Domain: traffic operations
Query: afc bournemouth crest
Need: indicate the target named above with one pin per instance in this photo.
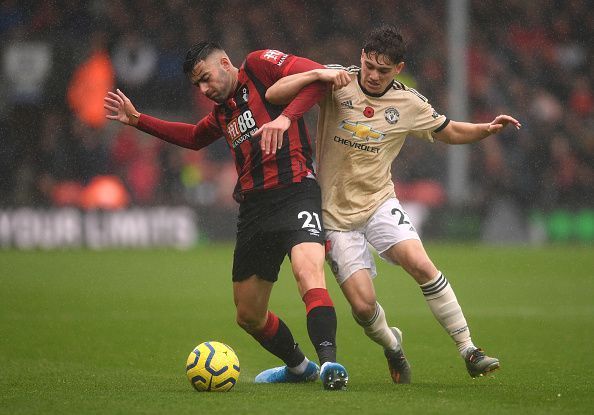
(392, 115)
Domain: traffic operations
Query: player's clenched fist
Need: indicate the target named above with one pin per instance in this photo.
(339, 78)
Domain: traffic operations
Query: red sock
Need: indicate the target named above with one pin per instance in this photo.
(276, 337)
(317, 297)
(270, 328)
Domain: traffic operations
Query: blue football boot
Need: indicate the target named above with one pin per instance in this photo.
(282, 374)
(334, 376)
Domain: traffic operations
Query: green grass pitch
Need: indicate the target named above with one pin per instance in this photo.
(85, 332)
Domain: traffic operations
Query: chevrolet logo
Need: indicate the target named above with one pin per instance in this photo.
(362, 131)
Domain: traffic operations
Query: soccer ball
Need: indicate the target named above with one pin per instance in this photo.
(212, 366)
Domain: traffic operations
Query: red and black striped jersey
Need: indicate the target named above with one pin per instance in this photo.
(243, 113)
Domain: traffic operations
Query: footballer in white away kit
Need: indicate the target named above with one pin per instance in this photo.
(363, 122)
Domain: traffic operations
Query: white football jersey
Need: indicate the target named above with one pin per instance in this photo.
(359, 135)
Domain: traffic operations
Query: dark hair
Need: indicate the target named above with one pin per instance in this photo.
(385, 40)
(197, 53)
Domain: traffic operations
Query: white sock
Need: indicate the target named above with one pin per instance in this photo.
(377, 329)
(300, 368)
(443, 303)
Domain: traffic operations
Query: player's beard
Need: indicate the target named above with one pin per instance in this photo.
(216, 98)
(224, 93)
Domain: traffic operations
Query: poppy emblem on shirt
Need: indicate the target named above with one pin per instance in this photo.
(392, 115)
(368, 112)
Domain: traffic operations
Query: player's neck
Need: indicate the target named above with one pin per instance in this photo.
(373, 94)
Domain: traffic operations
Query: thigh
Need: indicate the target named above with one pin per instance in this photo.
(358, 289)
(307, 262)
(347, 252)
(411, 255)
(388, 226)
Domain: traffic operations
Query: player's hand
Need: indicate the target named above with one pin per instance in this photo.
(121, 108)
(272, 134)
(500, 122)
(339, 78)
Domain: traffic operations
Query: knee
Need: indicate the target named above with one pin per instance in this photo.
(309, 274)
(421, 268)
(417, 263)
(250, 322)
(364, 309)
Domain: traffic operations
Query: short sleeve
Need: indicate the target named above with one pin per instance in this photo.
(427, 120)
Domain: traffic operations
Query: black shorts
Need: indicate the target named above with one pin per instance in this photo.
(271, 222)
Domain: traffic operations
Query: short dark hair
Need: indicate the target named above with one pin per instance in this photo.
(385, 40)
(197, 53)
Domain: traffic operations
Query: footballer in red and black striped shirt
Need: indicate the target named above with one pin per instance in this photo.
(280, 202)
(240, 111)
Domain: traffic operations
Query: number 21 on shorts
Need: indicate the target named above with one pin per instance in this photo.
(309, 222)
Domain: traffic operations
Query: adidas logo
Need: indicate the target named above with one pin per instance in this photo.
(326, 344)
(347, 104)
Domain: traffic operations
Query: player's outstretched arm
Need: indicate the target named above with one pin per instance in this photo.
(286, 88)
(121, 108)
(457, 132)
(191, 136)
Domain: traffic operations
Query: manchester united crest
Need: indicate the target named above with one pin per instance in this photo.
(392, 115)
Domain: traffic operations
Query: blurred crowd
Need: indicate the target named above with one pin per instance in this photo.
(532, 60)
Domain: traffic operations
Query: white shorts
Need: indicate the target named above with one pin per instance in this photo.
(347, 251)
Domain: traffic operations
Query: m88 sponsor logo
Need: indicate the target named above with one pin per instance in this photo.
(241, 128)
